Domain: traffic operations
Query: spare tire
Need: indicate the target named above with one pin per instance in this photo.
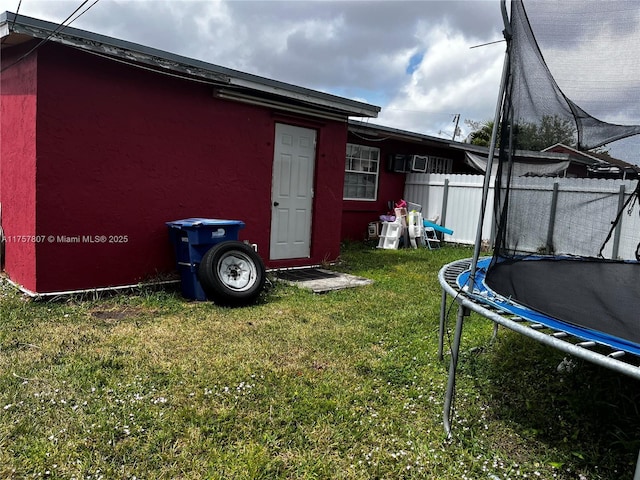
(231, 273)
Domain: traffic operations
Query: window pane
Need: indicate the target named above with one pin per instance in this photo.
(361, 172)
(369, 192)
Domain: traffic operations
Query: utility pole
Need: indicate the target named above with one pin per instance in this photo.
(456, 119)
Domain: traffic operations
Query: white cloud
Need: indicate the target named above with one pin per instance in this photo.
(357, 49)
(451, 79)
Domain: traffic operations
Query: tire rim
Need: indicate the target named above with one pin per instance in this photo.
(237, 271)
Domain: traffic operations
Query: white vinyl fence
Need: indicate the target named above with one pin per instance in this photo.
(584, 206)
(454, 200)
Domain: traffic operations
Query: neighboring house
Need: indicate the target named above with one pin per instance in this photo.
(378, 159)
(595, 165)
(526, 163)
(103, 141)
(560, 160)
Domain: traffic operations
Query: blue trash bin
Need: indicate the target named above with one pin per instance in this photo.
(191, 238)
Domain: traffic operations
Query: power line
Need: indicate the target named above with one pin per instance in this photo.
(58, 29)
(82, 13)
(17, 10)
(14, 20)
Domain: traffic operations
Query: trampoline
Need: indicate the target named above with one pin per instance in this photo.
(496, 299)
(565, 268)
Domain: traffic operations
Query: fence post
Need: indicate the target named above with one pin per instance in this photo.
(618, 229)
(552, 219)
(445, 196)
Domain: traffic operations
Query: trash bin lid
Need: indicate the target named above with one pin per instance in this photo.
(204, 222)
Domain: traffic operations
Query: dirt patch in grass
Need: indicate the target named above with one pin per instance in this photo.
(114, 315)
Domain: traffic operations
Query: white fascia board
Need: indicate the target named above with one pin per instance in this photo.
(350, 107)
(122, 53)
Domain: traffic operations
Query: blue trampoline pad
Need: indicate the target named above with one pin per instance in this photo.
(593, 300)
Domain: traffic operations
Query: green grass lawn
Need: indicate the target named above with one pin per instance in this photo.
(340, 385)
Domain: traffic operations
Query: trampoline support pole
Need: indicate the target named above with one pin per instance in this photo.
(636, 476)
(494, 334)
(451, 380)
(462, 311)
(492, 145)
(443, 314)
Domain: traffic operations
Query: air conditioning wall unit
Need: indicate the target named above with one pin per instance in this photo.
(418, 163)
(399, 163)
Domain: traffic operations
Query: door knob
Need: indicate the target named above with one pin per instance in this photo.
(275, 204)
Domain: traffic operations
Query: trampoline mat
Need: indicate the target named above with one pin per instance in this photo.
(596, 295)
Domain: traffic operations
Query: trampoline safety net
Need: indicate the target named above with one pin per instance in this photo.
(573, 88)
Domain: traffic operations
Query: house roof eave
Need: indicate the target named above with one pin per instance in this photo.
(381, 131)
(22, 28)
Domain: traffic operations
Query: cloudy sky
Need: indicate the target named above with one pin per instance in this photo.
(412, 58)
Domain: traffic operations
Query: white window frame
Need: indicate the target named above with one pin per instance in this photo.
(362, 160)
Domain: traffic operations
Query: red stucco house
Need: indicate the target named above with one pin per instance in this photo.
(396, 152)
(107, 140)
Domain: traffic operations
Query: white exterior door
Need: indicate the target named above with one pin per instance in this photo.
(292, 192)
